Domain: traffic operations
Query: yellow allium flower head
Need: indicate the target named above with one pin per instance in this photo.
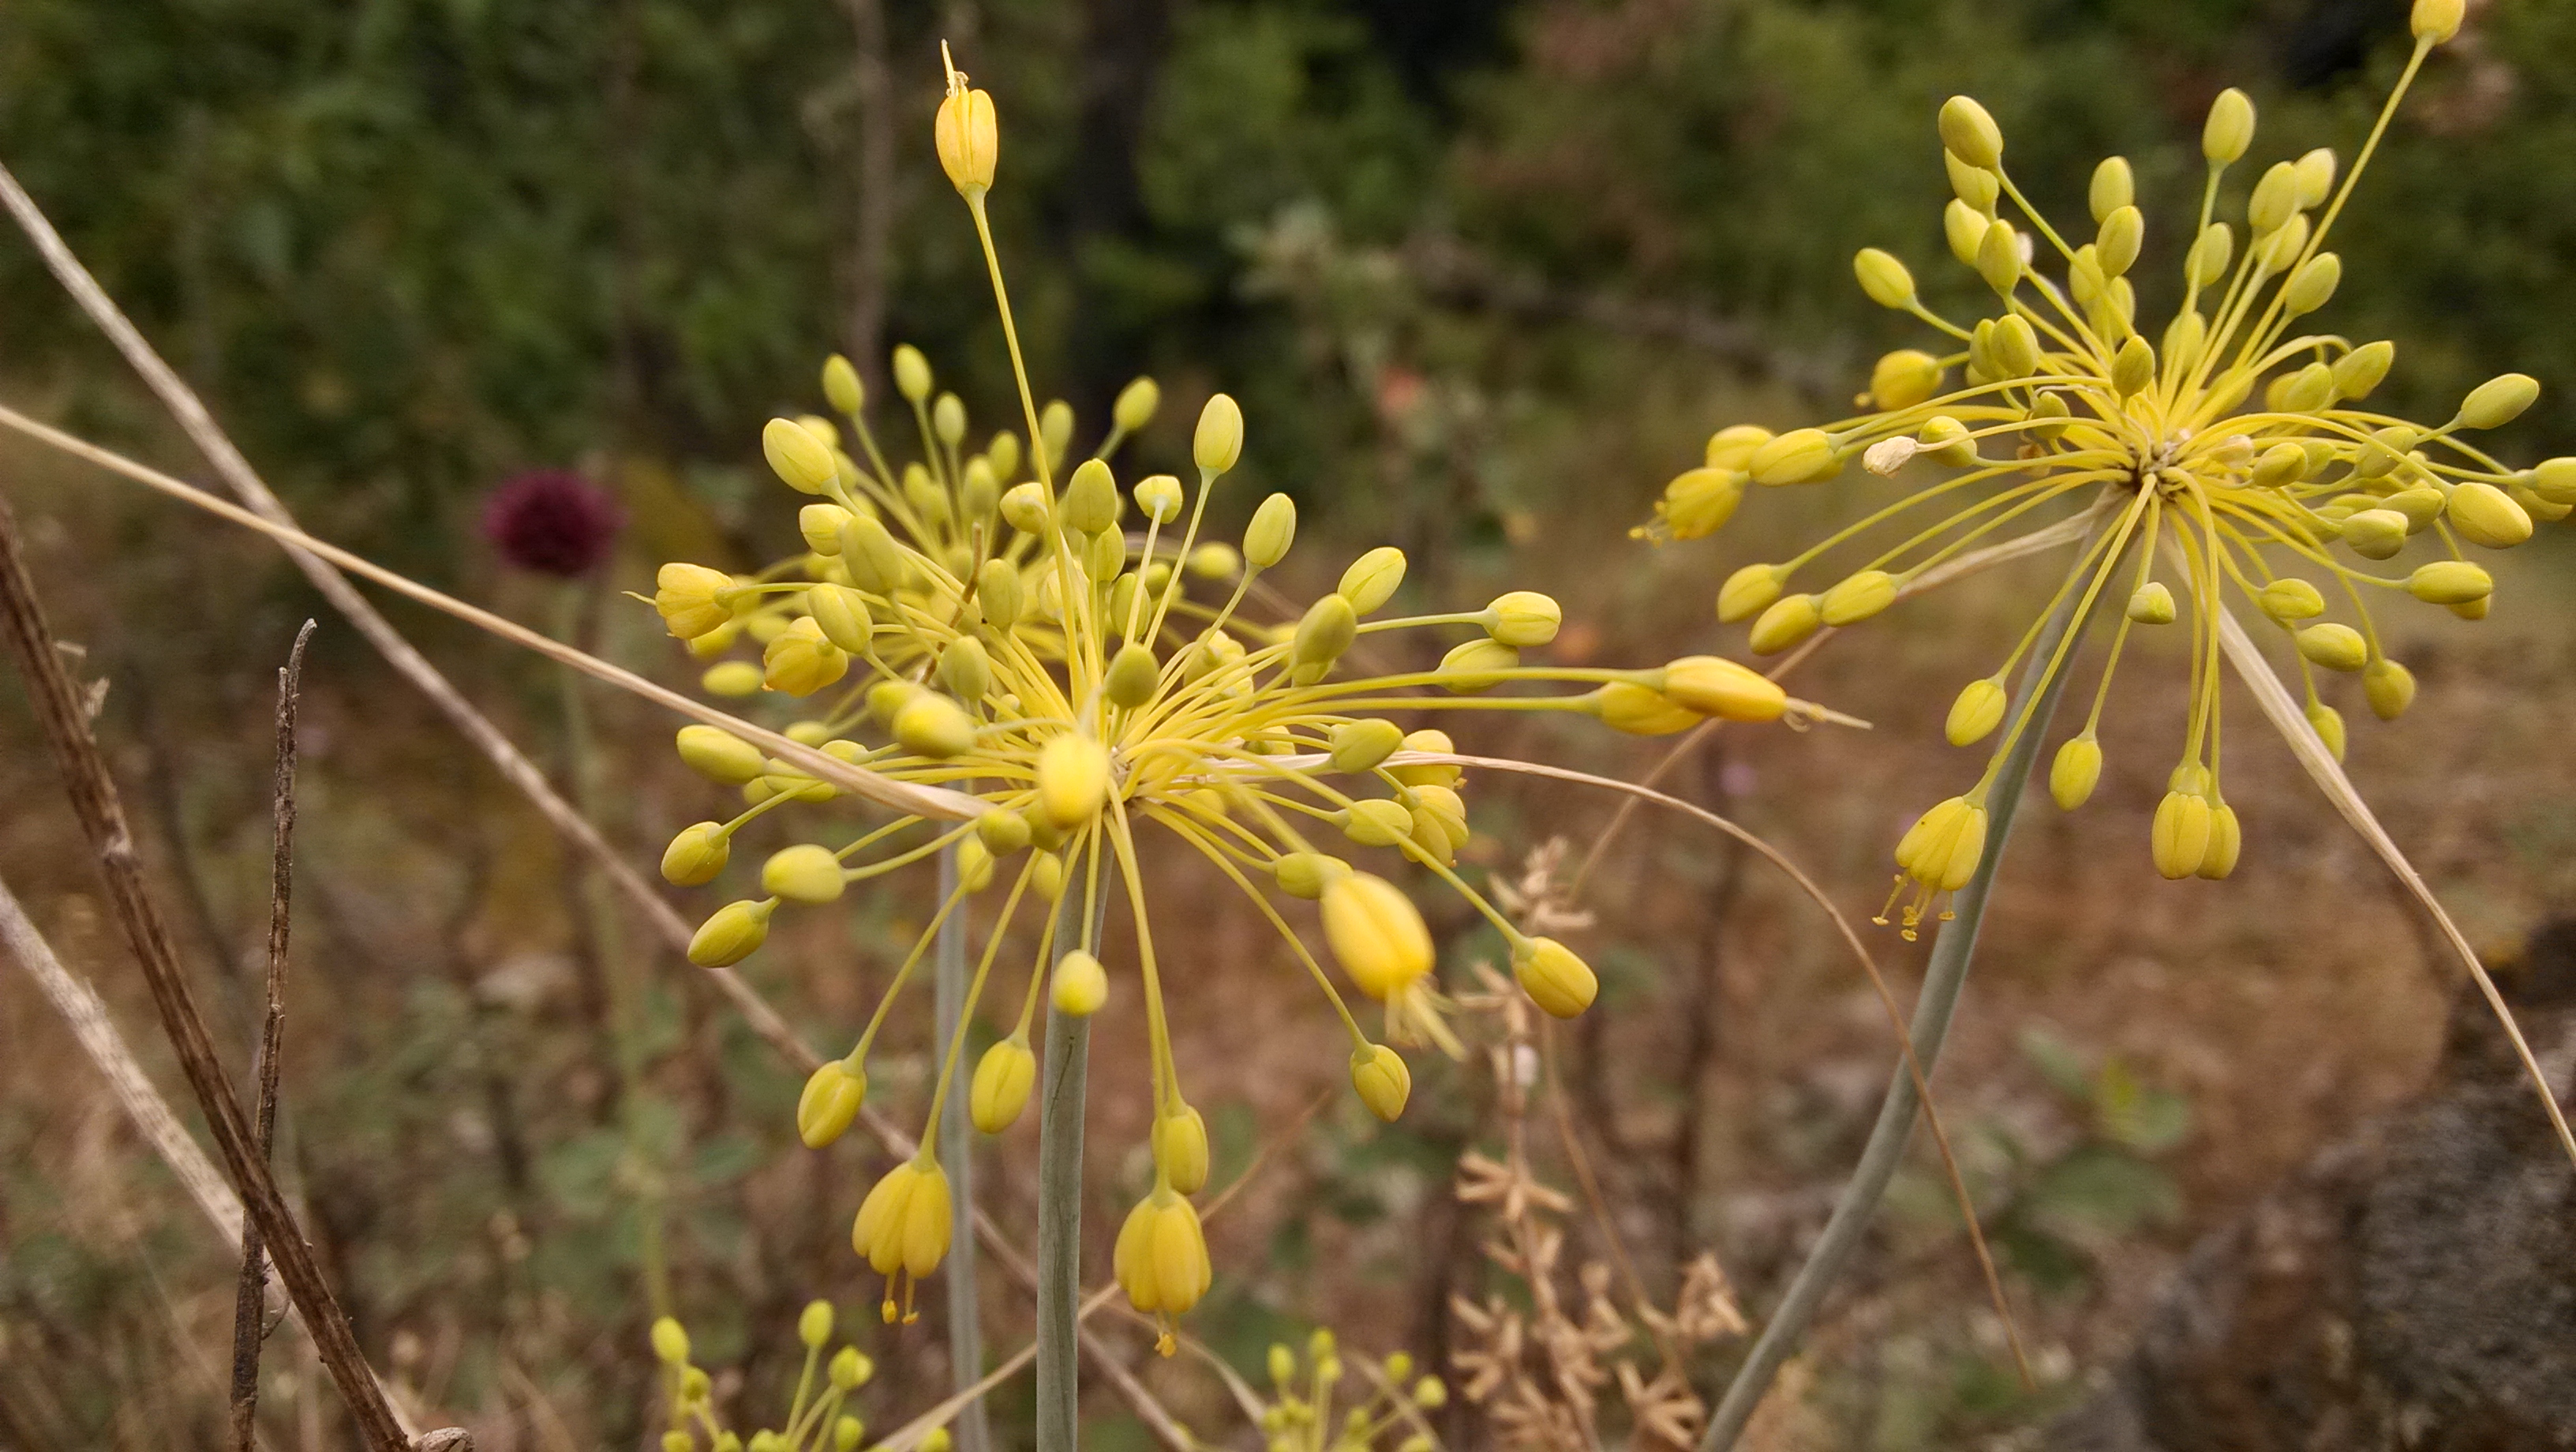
(2229, 451)
(1052, 672)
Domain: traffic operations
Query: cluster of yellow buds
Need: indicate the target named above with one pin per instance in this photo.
(997, 635)
(2231, 450)
(1390, 1411)
(815, 1419)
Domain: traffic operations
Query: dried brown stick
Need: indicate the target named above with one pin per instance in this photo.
(251, 1293)
(102, 817)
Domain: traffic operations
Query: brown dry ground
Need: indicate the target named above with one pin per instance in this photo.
(452, 1097)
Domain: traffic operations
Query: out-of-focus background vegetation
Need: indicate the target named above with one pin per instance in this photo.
(1483, 275)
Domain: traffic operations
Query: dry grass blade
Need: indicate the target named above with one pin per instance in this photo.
(2329, 776)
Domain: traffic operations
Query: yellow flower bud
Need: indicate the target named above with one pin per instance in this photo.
(1273, 529)
(2335, 647)
(1476, 665)
(1970, 134)
(2389, 687)
(841, 385)
(2075, 771)
(690, 599)
(2486, 515)
(2280, 466)
(1307, 874)
(801, 661)
(948, 419)
(1714, 686)
(1640, 710)
(1384, 1082)
(1800, 456)
(1554, 978)
(1791, 619)
(2134, 367)
(1073, 779)
(1360, 745)
(1977, 711)
(806, 873)
(1215, 560)
(1429, 740)
(1090, 503)
(1748, 592)
(1055, 427)
(696, 855)
(2207, 260)
(1900, 380)
(2114, 187)
(2552, 481)
(1376, 823)
(848, 1431)
(1857, 598)
(1323, 633)
(735, 931)
(820, 524)
(2230, 128)
(801, 459)
(1734, 446)
(2226, 841)
(1999, 257)
(1523, 618)
(2449, 582)
(719, 755)
(814, 1324)
(1975, 186)
(1024, 507)
(2152, 604)
(2436, 21)
(974, 865)
(830, 1101)
(1884, 278)
(2376, 534)
(732, 678)
(2313, 283)
(1135, 405)
(1046, 877)
(1439, 821)
(1218, 443)
(1079, 985)
(2014, 347)
(1161, 1258)
(932, 725)
(1003, 1078)
(902, 1225)
(848, 1369)
(1376, 934)
(2179, 840)
(1133, 675)
(968, 138)
(1181, 1148)
(2116, 244)
(2498, 401)
(2358, 372)
(1964, 227)
(670, 1342)
(1372, 578)
(1159, 495)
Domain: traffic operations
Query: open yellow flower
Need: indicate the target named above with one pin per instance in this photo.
(2232, 451)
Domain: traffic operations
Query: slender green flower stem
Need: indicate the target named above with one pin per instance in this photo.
(972, 1431)
(1953, 944)
(1060, 1101)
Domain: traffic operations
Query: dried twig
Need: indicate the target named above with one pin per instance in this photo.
(102, 818)
(248, 1333)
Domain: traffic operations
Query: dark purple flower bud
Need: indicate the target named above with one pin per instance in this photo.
(552, 521)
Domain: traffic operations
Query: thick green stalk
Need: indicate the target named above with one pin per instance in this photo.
(957, 1152)
(1953, 945)
(1060, 1101)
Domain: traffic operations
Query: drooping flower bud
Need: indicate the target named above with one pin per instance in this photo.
(1640, 710)
(1476, 665)
(734, 932)
(831, 1099)
(1884, 278)
(2389, 687)
(696, 855)
(1748, 592)
(1323, 633)
(1003, 1078)
(1715, 686)
(719, 755)
(2075, 771)
(2486, 515)
(806, 873)
(1384, 1083)
(1180, 1145)
(1079, 985)
(1791, 619)
(1376, 934)
(2333, 646)
(1976, 712)
(1307, 874)
(1800, 456)
(1554, 978)
(1899, 381)
(799, 458)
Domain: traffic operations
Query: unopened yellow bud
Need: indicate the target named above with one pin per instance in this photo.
(1218, 443)
(1554, 978)
(2134, 367)
(1999, 257)
(1734, 446)
(1975, 186)
(841, 385)
(1159, 496)
(690, 599)
(2552, 481)
(2436, 21)
(2389, 687)
(1640, 710)
(1323, 633)
(1307, 874)
(1376, 822)
(1384, 1083)
(820, 524)
(1003, 1078)
(806, 873)
(1969, 133)
(2207, 260)
(801, 459)
(1215, 560)
(2280, 466)
(1477, 665)
(1791, 619)
(1714, 686)
(2230, 128)
(2335, 647)
(1376, 934)
(1439, 819)
(1273, 529)
(1160, 1259)
(2075, 771)
(848, 1431)
(801, 661)
(1977, 711)
(932, 725)
(848, 1369)
(2179, 840)
(2498, 401)
(1902, 379)
(719, 755)
(1024, 507)
(1748, 592)
(968, 137)
(1079, 985)
(2486, 515)
(1857, 598)
(2116, 244)
(2313, 283)
(1429, 741)
(696, 855)
(2375, 534)
(1800, 456)
(830, 1101)
(1090, 502)
(1523, 618)
(1181, 1148)
(814, 1324)
(735, 931)
(1964, 228)
(1359, 746)
(1073, 779)
(670, 1342)
(1372, 578)
(2152, 604)
(1133, 675)
(2358, 372)
(1046, 877)
(1884, 278)
(2449, 582)
(2114, 186)
(1135, 405)
(2226, 841)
